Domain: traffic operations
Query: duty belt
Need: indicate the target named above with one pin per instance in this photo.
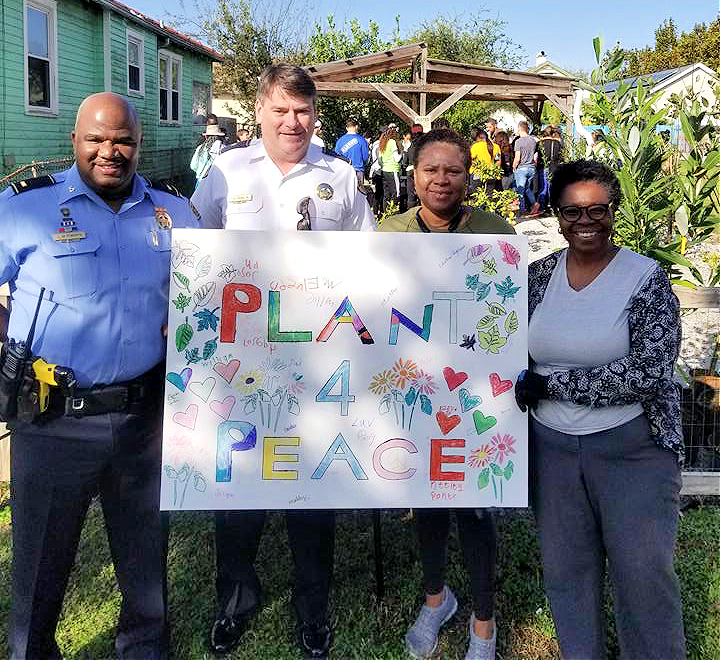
(132, 396)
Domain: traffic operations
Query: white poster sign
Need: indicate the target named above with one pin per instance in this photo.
(345, 370)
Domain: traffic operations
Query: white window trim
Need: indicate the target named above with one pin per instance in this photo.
(49, 6)
(140, 39)
(170, 57)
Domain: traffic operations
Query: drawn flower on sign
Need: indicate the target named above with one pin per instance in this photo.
(272, 369)
(249, 381)
(424, 383)
(503, 446)
(296, 385)
(403, 371)
(381, 382)
(479, 458)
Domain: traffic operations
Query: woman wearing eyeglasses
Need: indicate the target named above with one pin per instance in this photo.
(606, 436)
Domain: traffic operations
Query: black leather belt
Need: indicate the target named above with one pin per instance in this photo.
(133, 396)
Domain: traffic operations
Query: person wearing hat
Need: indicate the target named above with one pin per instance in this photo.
(207, 150)
(316, 139)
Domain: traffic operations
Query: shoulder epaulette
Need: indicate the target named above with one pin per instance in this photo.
(30, 184)
(237, 145)
(165, 187)
(329, 152)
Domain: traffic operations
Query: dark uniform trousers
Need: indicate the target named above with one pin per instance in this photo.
(311, 534)
(56, 470)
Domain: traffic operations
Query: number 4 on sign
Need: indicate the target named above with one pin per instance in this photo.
(344, 398)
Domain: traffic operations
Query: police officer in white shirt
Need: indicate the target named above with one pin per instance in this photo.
(260, 187)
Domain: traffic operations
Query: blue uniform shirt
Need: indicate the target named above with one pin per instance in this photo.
(354, 147)
(107, 293)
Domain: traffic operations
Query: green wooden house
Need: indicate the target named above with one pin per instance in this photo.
(53, 53)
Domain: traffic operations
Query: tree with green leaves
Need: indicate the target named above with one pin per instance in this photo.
(475, 39)
(671, 50)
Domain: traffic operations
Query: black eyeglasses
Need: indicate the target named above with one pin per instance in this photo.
(594, 212)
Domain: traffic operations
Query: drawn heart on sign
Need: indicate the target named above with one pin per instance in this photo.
(483, 423)
(454, 379)
(180, 380)
(499, 386)
(468, 401)
(227, 371)
(223, 408)
(203, 390)
(447, 422)
(187, 418)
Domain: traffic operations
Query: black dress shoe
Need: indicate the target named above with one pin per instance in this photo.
(225, 634)
(315, 640)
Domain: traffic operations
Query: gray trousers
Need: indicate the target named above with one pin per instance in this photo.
(611, 495)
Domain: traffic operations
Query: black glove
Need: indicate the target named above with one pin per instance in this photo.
(530, 388)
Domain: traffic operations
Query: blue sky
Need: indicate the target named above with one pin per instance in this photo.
(563, 29)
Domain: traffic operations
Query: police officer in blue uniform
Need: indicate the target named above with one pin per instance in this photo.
(97, 238)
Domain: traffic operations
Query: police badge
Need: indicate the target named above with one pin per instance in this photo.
(164, 221)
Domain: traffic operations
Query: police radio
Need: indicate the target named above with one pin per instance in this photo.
(25, 381)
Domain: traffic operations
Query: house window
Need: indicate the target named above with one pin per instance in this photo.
(41, 95)
(169, 83)
(136, 63)
(200, 102)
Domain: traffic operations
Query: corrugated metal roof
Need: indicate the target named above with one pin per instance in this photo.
(160, 28)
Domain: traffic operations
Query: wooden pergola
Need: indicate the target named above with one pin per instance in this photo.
(439, 79)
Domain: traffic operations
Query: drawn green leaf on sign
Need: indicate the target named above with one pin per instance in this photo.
(181, 302)
(384, 406)
(171, 472)
(496, 469)
(511, 323)
(482, 291)
(485, 321)
(492, 341)
(496, 308)
(489, 267)
(425, 404)
(483, 478)
(209, 349)
(183, 335)
(509, 469)
(471, 281)
(411, 396)
(181, 280)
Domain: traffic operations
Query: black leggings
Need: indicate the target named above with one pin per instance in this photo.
(478, 540)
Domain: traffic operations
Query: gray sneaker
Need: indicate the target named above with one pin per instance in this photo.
(481, 649)
(421, 639)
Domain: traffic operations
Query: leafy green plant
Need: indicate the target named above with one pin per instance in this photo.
(391, 209)
(503, 202)
(662, 211)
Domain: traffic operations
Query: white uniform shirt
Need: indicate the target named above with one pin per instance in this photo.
(244, 189)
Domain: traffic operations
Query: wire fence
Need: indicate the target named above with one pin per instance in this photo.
(698, 368)
(36, 168)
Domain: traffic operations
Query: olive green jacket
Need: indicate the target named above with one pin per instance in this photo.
(481, 222)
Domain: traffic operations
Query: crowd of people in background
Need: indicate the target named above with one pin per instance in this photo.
(522, 160)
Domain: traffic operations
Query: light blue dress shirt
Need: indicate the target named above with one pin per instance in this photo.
(107, 293)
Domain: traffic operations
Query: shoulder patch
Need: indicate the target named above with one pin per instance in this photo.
(237, 145)
(329, 152)
(165, 187)
(30, 184)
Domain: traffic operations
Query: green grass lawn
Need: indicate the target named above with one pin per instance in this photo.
(363, 630)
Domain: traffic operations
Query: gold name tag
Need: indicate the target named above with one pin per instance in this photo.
(69, 236)
(240, 199)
